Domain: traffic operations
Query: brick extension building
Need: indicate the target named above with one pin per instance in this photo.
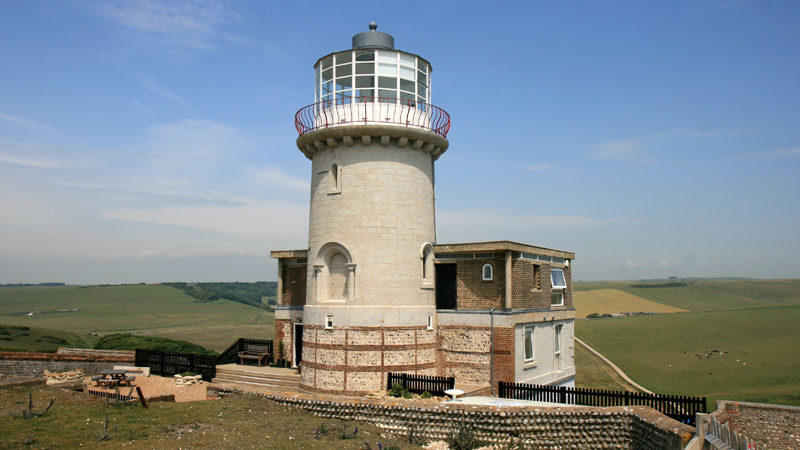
(374, 292)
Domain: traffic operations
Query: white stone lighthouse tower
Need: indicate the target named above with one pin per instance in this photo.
(372, 137)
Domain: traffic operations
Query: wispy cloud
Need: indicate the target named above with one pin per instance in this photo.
(28, 155)
(21, 121)
(780, 153)
(277, 178)
(5, 56)
(662, 263)
(191, 24)
(538, 167)
(140, 106)
(635, 149)
(156, 87)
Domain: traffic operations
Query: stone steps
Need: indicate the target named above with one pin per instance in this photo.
(250, 379)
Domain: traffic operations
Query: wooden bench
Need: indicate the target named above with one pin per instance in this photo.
(257, 352)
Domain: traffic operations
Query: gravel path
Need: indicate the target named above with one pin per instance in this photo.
(155, 386)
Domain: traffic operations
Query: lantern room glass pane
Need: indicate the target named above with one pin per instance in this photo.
(365, 95)
(407, 60)
(365, 55)
(327, 75)
(407, 85)
(365, 82)
(326, 62)
(422, 78)
(344, 57)
(387, 57)
(387, 82)
(406, 72)
(388, 70)
(408, 99)
(344, 83)
(327, 88)
(422, 90)
(387, 93)
(422, 65)
(343, 71)
(363, 68)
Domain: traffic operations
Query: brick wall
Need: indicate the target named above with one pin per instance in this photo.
(283, 333)
(524, 283)
(465, 353)
(635, 427)
(294, 286)
(473, 292)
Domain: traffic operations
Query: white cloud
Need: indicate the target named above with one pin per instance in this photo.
(277, 178)
(140, 106)
(667, 263)
(538, 167)
(190, 24)
(634, 149)
(780, 153)
(620, 150)
(156, 87)
(630, 263)
(29, 155)
(21, 121)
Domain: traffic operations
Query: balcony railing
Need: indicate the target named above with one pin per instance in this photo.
(372, 110)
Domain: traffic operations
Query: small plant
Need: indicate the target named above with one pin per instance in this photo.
(426, 395)
(320, 431)
(345, 434)
(398, 391)
(463, 438)
(188, 373)
(28, 413)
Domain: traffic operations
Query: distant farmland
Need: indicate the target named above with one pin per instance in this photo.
(140, 309)
(754, 322)
(612, 301)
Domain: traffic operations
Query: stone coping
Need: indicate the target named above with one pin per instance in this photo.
(38, 356)
(500, 246)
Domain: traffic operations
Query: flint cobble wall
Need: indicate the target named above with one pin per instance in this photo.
(541, 428)
(773, 426)
(30, 364)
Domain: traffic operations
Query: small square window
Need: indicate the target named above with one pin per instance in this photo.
(328, 321)
(557, 299)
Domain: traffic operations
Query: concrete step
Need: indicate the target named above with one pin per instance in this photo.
(254, 387)
(257, 380)
(268, 376)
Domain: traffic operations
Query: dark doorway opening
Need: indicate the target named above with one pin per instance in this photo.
(298, 344)
(446, 289)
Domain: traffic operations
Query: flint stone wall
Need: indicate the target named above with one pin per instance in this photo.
(542, 428)
(31, 364)
(773, 426)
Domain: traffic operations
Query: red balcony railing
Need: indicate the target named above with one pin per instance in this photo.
(376, 110)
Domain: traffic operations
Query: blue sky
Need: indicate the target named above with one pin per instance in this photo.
(154, 141)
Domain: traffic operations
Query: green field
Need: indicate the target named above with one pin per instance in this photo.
(754, 322)
(139, 309)
(15, 338)
(593, 373)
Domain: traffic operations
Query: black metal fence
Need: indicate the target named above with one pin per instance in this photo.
(230, 355)
(169, 363)
(679, 407)
(421, 383)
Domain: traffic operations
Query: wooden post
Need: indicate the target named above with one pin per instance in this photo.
(141, 396)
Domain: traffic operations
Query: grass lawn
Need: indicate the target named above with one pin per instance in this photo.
(593, 373)
(139, 309)
(33, 339)
(761, 363)
(238, 421)
(611, 301)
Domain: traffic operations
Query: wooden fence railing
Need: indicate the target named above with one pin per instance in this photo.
(421, 383)
(169, 363)
(680, 408)
(230, 355)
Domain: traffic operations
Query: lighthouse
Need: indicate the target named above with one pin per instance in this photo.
(374, 293)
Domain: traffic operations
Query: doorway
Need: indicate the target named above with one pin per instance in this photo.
(298, 344)
(446, 288)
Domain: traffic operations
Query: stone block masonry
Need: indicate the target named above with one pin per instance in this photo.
(542, 428)
(31, 364)
(773, 426)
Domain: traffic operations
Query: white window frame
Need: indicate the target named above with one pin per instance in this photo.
(524, 344)
(552, 283)
(328, 321)
(560, 294)
(483, 272)
(557, 332)
(430, 321)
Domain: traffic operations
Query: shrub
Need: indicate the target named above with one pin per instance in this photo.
(426, 395)
(463, 438)
(123, 341)
(398, 391)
